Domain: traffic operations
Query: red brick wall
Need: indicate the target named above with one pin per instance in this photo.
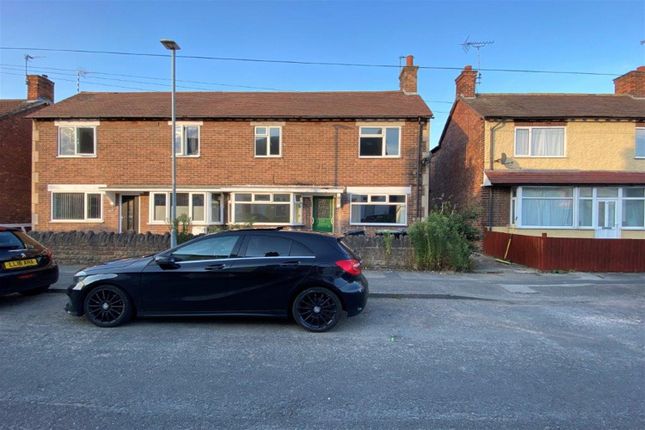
(15, 169)
(496, 206)
(137, 153)
(631, 83)
(456, 171)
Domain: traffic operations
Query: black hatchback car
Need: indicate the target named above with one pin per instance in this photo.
(311, 277)
(26, 266)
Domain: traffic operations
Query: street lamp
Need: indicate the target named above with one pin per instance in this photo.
(173, 47)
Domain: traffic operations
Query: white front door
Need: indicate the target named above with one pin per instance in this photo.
(607, 217)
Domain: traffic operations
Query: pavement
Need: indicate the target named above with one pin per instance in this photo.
(490, 280)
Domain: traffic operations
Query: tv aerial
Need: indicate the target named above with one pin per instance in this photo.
(27, 59)
(478, 45)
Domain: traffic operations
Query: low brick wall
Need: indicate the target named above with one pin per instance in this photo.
(86, 247)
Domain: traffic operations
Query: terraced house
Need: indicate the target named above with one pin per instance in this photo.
(561, 165)
(327, 161)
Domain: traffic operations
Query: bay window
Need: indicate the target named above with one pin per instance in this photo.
(634, 207)
(539, 141)
(378, 209)
(76, 207)
(578, 207)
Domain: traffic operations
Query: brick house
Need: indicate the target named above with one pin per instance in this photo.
(564, 165)
(326, 161)
(15, 147)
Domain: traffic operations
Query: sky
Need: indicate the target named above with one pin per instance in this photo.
(582, 36)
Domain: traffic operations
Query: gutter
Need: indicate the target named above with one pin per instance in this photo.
(419, 155)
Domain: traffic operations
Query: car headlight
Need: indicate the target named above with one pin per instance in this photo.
(79, 276)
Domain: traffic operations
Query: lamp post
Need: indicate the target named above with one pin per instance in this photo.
(173, 47)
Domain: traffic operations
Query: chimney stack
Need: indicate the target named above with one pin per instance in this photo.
(632, 83)
(40, 88)
(465, 82)
(408, 76)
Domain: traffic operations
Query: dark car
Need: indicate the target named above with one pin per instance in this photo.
(311, 277)
(26, 266)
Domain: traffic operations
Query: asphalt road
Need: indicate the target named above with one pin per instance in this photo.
(403, 363)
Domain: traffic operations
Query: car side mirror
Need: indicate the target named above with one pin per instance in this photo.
(165, 260)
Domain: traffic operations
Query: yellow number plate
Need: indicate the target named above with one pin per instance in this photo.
(20, 263)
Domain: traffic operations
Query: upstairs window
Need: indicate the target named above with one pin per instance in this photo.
(380, 142)
(640, 143)
(539, 141)
(268, 141)
(76, 141)
(187, 140)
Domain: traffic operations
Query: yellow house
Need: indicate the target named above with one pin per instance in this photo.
(568, 165)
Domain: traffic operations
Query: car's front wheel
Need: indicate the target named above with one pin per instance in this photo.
(107, 306)
(317, 309)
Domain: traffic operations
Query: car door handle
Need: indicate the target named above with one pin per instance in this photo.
(214, 267)
(290, 263)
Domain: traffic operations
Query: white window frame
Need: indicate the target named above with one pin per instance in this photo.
(268, 137)
(530, 129)
(207, 207)
(383, 137)
(75, 127)
(620, 199)
(371, 203)
(621, 202)
(210, 221)
(638, 157)
(182, 143)
(85, 219)
(291, 203)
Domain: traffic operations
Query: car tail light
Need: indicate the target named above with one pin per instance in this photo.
(353, 267)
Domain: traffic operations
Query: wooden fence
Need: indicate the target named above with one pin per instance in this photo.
(557, 253)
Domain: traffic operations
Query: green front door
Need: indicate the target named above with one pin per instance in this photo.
(323, 214)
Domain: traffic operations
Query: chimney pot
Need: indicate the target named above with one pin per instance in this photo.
(408, 76)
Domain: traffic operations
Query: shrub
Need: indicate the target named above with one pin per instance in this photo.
(444, 240)
(183, 233)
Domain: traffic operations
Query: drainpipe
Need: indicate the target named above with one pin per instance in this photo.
(491, 163)
(419, 155)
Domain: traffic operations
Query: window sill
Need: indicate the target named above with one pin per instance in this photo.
(267, 156)
(77, 156)
(378, 225)
(83, 221)
(540, 156)
(379, 156)
(187, 156)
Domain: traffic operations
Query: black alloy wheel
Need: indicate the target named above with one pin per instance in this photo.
(107, 306)
(317, 309)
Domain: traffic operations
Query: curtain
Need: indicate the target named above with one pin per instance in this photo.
(522, 141)
(634, 213)
(547, 212)
(547, 142)
(69, 206)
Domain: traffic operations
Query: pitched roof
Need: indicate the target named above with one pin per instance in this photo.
(526, 177)
(557, 106)
(13, 106)
(384, 104)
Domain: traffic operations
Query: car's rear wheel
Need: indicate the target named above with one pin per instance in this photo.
(35, 291)
(107, 306)
(317, 309)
